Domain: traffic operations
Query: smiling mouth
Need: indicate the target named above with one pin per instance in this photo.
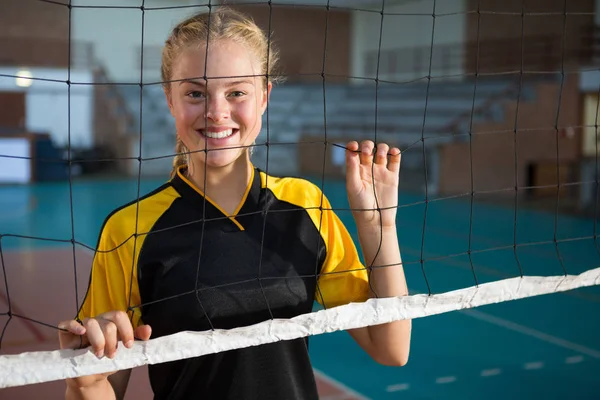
(220, 134)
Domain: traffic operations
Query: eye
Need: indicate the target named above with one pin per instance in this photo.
(195, 94)
(237, 93)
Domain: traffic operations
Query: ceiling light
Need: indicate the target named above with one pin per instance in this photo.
(23, 78)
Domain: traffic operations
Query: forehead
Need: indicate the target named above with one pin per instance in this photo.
(221, 61)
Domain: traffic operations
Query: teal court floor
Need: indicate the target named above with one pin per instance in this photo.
(545, 347)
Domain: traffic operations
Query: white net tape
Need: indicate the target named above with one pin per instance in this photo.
(44, 366)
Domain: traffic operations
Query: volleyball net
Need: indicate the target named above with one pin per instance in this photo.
(462, 119)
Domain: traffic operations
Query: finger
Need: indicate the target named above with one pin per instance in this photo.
(71, 327)
(395, 158)
(95, 336)
(70, 334)
(382, 153)
(352, 156)
(116, 327)
(123, 326)
(366, 151)
(352, 146)
(352, 165)
(109, 330)
(143, 332)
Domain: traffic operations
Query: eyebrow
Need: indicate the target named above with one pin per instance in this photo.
(202, 83)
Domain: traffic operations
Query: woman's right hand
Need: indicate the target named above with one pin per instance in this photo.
(102, 333)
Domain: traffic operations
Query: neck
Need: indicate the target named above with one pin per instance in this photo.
(224, 184)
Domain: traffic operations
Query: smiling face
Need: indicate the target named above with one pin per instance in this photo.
(221, 114)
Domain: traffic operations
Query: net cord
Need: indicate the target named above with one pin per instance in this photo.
(44, 366)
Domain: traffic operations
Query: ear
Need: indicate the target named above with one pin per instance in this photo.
(265, 97)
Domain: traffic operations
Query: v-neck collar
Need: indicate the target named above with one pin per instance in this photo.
(245, 211)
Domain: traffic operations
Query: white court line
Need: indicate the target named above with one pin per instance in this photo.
(573, 359)
(534, 365)
(339, 385)
(491, 372)
(445, 379)
(398, 387)
(532, 332)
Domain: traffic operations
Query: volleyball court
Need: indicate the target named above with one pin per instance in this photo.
(497, 221)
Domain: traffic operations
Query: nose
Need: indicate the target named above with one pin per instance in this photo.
(217, 108)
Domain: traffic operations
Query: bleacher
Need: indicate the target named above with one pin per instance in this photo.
(439, 111)
(400, 114)
(153, 121)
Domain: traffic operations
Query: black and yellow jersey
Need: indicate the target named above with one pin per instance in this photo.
(174, 260)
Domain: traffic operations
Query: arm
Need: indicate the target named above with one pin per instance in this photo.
(388, 344)
(102, 321)
(110, 388)
(119, 382)
(102, 335)
(100, 390)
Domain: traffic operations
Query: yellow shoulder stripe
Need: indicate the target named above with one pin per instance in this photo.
(343, 276)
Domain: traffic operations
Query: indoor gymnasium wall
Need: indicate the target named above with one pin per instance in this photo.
(47, 108)
(311, 40)
(116, 34)
(406, 39)
(500, 27)
(34, 38)
(547, 116)
(299, 33)
(34, 33)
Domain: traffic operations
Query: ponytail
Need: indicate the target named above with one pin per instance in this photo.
(181, 156)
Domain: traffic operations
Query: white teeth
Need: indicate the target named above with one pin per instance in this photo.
(218, 135)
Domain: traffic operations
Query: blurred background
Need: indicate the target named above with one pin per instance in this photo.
(494, 104)
(439, 79)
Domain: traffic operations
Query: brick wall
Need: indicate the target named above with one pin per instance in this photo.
(12, 110)
(34, 33)
(300, 33)
(499, 28)
(493, 145)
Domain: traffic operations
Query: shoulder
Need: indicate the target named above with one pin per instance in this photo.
(138, 215)
(295, 190)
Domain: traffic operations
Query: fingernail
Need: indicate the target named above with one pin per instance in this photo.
(100, 353)
(129, 344)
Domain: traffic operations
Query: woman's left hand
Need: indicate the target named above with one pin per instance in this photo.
(372, 183)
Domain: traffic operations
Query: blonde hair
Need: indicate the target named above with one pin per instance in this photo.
(223, 23)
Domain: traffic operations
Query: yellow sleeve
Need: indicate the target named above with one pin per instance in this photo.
(111, 277)
(343, 277)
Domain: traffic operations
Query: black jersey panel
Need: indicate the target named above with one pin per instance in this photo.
(273, 371)
(198, 274)
(194, 276)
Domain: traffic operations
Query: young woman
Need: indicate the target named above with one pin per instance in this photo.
(222, 244)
